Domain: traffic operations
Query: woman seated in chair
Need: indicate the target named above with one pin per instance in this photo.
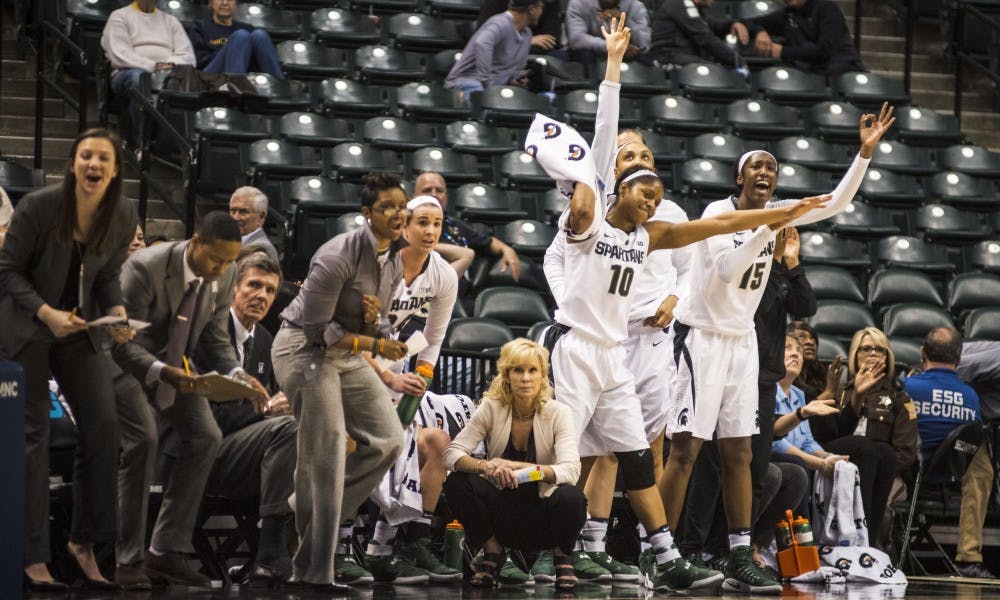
(521, 430)
(812, 379)
(876, 424)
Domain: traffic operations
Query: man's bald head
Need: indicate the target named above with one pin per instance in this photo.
(431, 184)
(942, 345)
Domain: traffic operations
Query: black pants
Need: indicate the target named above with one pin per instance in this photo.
(877, 467)
(516, 521)
(792, 487)
(84, 377)
(703, 521)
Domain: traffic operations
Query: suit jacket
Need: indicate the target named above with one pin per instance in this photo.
(153, 285)
(259, 238)
(33, 267)
(556, 441)
(233, 416)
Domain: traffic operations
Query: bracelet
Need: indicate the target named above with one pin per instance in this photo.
(354, 347)
(798, 414)
(375, 345)
(381, 346)
(479, 467)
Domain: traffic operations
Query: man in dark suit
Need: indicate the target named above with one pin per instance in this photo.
(257, 454)
(184, 290)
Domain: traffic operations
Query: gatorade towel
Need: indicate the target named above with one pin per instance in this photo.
(567, 159)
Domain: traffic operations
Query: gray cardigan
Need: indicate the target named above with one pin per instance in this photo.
(33, 267)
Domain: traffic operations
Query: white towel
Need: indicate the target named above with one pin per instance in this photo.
(566, 157)
(862, 564)
(838, 510)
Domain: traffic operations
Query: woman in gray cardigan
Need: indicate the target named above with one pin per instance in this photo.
(521, 495)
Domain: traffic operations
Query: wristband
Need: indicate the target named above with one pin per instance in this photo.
(798, 414)
(354, 347)
(375, 345)
(381, 346)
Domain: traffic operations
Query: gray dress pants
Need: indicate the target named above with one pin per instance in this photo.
(334, 394)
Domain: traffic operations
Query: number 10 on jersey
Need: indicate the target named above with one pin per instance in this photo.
(621, 280)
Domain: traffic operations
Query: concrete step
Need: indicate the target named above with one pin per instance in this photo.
(25, 126)
(984, 120)
(944, 100)
(51, 146)
(920, 81)
(50, 163)
(25, 87)
(892, 61)
(987, 138)
(25, 107)
(17, 68)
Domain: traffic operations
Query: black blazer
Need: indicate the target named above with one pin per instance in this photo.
(33, 267)
(233, 416)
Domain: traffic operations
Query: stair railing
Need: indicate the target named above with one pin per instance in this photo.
(962, 56)
(45, 30)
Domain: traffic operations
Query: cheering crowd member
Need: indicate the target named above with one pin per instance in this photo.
(59, 268)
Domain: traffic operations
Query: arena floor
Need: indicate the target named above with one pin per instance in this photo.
(917, 589)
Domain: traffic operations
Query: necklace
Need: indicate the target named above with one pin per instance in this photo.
(528, 416)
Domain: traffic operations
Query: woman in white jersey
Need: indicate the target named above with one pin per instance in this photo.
(715, 347)
(603, 258)
(647, 349)
(409, 492)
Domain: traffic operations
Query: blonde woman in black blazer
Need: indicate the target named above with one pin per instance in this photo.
(59, 269)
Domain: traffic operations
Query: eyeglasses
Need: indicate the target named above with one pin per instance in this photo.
(872, 350)
(391, 211)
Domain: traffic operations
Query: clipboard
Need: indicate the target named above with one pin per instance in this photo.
(219, 388)
(113, 321)
(414, 345)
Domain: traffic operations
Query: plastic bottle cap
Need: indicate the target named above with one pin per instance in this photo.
(425, 370)
(454, 525)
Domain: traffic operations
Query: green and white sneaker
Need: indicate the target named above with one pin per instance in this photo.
(744, 575)
(347, 570)
(544, 569)
(511, 574)
(679, 575)
(394, 569)
(588, 570)
(620, 572)
(420, 554)
(647, 566)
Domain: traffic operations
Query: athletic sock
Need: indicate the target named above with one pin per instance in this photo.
(663, 545)
(594, 534)
(345, 537)
(739, 537)
(381, 542)
(643, 537)
(419, 528)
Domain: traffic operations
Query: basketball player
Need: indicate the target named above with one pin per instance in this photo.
(715, 348)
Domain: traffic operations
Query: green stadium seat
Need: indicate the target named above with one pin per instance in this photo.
(833, 283)
(834, 121)
(518, 307)
(912, 253)
(352, 161)
(310, 129)
(512, 106)
(825, 249)
(306, 60)
(893, 285)
(519, 170)
(431, 103)
(948, 225)
(561, 75)
(580, 109)
(676, 115)
(344, 29)
(970, 159)
(913, 320)
(810, 152)
(839, 319)
(279, 24)
(454, 167)
(900, 158)
(967, 291)
(788, 85)
(859, 220)
(394, 133)
(484, 203)
(722, 147)
(346, 98)
(796, 181)
(963, 190)
(423, 33)
(479, 139)
(925, 127)
(985, 256)
(983, 324)
(18, 180)
(276, 96)
(476, 334)
(870, 90)
(706, 178)
(528, 237)
(383, 65)
(891, 189)
(710, 82)
(762, 120)
(638, 80)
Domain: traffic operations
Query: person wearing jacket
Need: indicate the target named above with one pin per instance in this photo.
(224, 45)
(815, 37)
(684, 32)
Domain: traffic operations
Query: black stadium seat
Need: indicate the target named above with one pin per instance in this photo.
(925, 127)
(518, 169)
(384, 65)
(825, 249)
(788, 85)
(394, 133)
(336, 197)
(279, 24)
(455, 168)
(901, 158)
(870, 90)
(971, 159)
(913, 320)
(833, 283)
(346, 98)
(892, 286)
(484, 203)
(305, 60)
(309, 129)
(973, 290)
(710, 82)
(985, 256)
(910, 252)
(18, 180)
(479, 139)
(796, 181)
(983, 324)
(840, 319)
(964, 190)
(707, 178)
(518, 307)
(859, 220)
(423, 33)
(760, 119)
(560, 75)
(834, 121)
(431, 102)
(511, 106)
(676, 115)
(527, 237)
(639, 80)
(352, 161)
(906, 351)
(343, 29)
(891, 189)
(717, 146)
(580, 108)
(476, 333)
(810, 152)
(948, 225)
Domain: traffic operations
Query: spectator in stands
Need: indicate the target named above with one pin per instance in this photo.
(138, 241)
(684, 31)
(547, 34)
(140, 39)
(876, 422)
(945, 402)
(223, 45)
(459, 233)
(812, 379)
(816, 38)
(59, 268)
(585, 18)
(184, 290)
(6, 211)
(257, 454)
(498, 52)
(342, 309)
(248, 205)
(980, 368)
(522, 429)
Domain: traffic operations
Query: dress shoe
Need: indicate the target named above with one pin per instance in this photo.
(46, 587)
(329, 589)
(266, 576)
(88, 583)
(172, 569)
(132, 577)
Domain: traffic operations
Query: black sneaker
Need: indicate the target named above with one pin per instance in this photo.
(974, 570)
(744, 575)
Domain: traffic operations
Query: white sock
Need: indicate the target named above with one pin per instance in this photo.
(154, 551)
(663, 545)
(643, 537)
(594, 534)
(345, 537)
(381, 542)
(739, 537)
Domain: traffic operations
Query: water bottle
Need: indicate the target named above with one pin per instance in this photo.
(782, 536)
(454, 535)
(803, 532)
(408, 404)
(529, 474)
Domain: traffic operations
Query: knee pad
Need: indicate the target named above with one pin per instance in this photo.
(637, 468)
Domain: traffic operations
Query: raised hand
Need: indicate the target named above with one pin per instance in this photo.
(833, 375)
(868, 375)
(872, 128)
(792, 245)
(617, 39)
(820, 408)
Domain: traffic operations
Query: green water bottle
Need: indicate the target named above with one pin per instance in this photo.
(782, 536)
(803, 532)
(454, 535)
(408, 404)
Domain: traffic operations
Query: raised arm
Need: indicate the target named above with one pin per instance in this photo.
(675, 235)
(606, 126)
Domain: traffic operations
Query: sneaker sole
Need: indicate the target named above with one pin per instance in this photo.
(516, 582)
(444, 578)
(364, 580)
(604, 577)
(412, 580)
(543, 577)
(735, 585)
(627, 577)
(697, 585)
(161, 579)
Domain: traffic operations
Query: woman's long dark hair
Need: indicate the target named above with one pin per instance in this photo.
(102, 234)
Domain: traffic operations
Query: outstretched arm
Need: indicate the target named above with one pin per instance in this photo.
(675, 235)
(606, 126)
